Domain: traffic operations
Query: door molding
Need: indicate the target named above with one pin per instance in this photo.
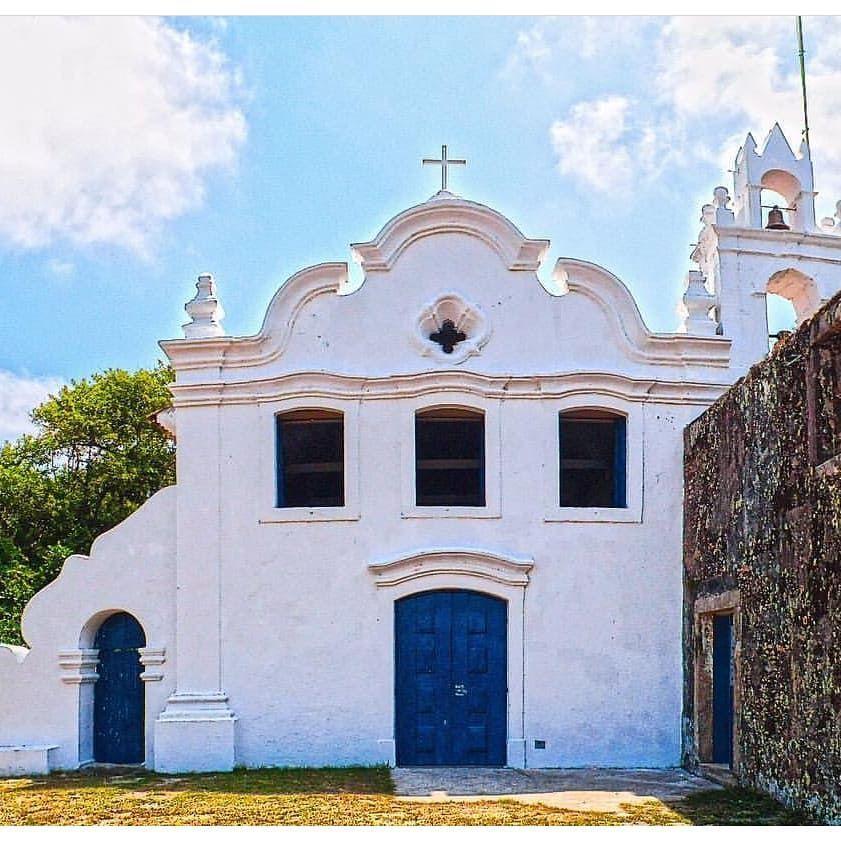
(483, 571)
(502, 569)
(705, 609)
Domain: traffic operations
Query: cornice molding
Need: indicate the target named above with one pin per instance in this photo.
(152, 658)
(316, 384)
(476, 563)
(79, 665)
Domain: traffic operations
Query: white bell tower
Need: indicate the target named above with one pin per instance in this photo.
(775, 168)
(751, 246)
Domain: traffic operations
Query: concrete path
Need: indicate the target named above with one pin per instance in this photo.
(579, 789)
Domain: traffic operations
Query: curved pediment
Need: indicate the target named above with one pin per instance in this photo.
(446, 213)
(475, 563)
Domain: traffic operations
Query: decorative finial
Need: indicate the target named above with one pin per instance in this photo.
(444, 162)
(721, 197)
(698, 304)
(205, 311)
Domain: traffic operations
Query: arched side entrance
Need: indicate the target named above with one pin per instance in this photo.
(451, 688)
(118, 711)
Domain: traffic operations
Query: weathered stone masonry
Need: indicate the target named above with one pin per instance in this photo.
(763, 540)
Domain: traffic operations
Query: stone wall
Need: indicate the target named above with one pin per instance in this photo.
(762, 539)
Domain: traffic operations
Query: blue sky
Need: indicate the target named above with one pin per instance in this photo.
(145, 151)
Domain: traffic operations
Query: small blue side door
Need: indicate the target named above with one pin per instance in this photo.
(723, 689)
(119, 715)
(451, 693)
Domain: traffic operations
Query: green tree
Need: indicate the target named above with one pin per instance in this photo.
(97, 454)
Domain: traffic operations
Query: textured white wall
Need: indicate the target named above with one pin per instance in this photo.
(277, 619)
(130, 568)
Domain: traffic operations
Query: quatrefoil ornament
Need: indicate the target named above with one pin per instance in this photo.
(450, 330)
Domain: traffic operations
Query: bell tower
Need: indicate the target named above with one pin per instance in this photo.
(775, 168)
(763, 240)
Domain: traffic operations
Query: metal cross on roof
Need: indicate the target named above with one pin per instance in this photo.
(444, 162)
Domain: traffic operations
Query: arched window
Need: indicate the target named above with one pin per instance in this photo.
(450, 457)
(592, 457)
(310, 459)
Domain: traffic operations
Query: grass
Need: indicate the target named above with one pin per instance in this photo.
(326, 796)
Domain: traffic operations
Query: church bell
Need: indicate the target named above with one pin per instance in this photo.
(776, 221)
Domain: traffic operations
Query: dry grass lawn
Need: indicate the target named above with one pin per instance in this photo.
(325, 796)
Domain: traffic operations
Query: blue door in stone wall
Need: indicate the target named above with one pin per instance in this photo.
(119, 716)
(723, 689)
(451, 688)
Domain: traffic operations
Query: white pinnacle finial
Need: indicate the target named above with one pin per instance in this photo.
(205, 311)
(697, 307)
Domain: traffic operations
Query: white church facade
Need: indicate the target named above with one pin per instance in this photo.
(432, 519)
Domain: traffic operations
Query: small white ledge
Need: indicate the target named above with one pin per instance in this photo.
(25, 760)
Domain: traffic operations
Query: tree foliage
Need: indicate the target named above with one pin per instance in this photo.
(97, 454)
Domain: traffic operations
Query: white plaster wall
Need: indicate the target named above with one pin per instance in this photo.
(276, 616)
(308, 638)
(130, 568)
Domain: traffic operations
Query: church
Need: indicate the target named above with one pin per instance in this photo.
(432, 518)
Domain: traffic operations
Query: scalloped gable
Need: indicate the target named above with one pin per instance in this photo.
(324, 288)
(446, 213)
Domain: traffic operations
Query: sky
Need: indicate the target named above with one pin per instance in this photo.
(138, 152)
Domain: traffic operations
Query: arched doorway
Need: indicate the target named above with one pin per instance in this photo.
(451, 678)
(119, 715)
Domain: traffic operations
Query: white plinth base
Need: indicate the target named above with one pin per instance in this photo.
(195, 733)
(516, 753)
(25, 760)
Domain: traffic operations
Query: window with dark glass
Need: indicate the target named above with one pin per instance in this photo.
(310, 459)
(450, 457)
(592, 460)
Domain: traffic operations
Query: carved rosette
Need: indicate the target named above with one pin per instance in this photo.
(463, 317)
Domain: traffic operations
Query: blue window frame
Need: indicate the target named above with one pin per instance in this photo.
(310, 459)
(592, 459)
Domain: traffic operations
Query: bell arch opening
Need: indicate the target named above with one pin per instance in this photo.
(788, 292)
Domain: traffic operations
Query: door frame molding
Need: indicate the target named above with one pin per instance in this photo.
(489, 572)
(705, 609)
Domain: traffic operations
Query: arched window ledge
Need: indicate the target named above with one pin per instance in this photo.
(471, 562)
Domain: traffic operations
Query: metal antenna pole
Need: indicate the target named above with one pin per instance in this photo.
(802, 54)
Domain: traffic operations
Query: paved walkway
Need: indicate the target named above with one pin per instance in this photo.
(580, 789)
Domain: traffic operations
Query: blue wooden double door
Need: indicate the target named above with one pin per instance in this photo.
(451, 692)
(118, 704)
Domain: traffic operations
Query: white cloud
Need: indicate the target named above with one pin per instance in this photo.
(602, 145)
(61, 268)
(540, 49)
(711, 79)
(19, 395)
(111, 128)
